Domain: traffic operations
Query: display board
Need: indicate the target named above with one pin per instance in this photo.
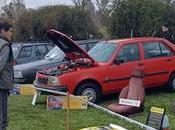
(155, 117)
(61, 102)
(27, 90)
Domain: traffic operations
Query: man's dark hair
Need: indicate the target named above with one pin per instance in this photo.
(166, 25)
(5, 26)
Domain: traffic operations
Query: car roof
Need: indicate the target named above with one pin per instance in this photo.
(27, 44)
(135, 39)
(88, 41)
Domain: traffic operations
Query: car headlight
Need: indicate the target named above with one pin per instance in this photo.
(53, 80)
(18, 74)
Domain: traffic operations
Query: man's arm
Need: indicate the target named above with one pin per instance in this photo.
(4, 55)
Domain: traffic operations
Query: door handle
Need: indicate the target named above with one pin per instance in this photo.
(168, 60)
(140, 64)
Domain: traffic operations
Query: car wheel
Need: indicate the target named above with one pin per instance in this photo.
(90, 90)
(171, 83)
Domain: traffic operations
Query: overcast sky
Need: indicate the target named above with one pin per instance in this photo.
(38, 3)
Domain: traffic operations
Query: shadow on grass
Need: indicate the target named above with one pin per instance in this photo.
(113, 98)
(40, 103)
(157, 90)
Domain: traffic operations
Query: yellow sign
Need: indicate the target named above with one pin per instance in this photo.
(157, 110)
(27, 90)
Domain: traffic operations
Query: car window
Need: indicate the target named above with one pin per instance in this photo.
(87, 46)
(103, 51)
(40, 51)
(15, 49)
(49, 47)
(155, 49)
(56, 53)
(83, 46)
(130, 53)
(26, 52)
(165, 50)
(92, 44)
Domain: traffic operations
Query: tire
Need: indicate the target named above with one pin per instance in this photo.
(171, 83)
(91, 90)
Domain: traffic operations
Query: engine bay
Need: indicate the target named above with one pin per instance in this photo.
(67, 67)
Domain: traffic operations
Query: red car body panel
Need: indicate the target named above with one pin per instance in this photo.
(113, 77)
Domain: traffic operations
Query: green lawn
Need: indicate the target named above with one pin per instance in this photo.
(23, 116)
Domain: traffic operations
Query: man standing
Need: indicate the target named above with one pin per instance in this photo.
(167, 33)
(6, 70)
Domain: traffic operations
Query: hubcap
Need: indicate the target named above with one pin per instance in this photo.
(90, 93)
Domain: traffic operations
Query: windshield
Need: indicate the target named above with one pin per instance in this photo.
(102, 51)
(56, 53)
(15, 49)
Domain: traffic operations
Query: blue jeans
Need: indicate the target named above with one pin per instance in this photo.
(3, 109)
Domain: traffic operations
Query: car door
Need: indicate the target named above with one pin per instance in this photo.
(119, 74)
(25, 55)
(157, 62)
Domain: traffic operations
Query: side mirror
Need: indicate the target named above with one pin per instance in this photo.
(119, 61)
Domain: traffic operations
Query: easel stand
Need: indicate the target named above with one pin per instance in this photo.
(140, 125)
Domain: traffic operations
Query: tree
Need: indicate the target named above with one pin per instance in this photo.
(2, 3)
(142, 16)
(102, 5)
(83, 4)
(69, 20)
(14, 9)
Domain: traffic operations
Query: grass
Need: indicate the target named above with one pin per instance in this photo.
(24, 116)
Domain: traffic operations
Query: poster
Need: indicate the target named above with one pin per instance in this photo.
(61, 102)
(109, 127)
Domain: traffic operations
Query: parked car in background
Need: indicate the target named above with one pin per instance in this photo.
(108, 66)
(25, 73)
(87, 44)
(28, 52)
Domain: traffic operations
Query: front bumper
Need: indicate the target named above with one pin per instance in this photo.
(56, 88)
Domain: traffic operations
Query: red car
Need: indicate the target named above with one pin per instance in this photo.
(107, 67)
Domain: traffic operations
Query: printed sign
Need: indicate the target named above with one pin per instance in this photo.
(60, 102)
(109, 127)
(27, 90)
(129, 102)
(155, 117)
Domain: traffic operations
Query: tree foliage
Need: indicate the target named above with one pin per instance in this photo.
(104, 18)
(14, 9)
(142, 16)
(70, 20)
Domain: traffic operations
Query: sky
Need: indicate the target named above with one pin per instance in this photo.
(37, 3)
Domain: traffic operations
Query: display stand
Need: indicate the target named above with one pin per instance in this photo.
(140, 125)
(155, 117)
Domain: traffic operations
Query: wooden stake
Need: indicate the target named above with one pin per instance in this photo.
(68, 107)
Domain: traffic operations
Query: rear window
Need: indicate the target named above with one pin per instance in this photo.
(40, 51)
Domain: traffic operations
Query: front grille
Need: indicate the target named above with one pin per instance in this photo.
(42, 81)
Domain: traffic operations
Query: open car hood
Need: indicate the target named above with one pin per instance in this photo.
(68, 46)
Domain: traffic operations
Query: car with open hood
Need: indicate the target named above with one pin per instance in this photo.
(25, 73)
(108, 66)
